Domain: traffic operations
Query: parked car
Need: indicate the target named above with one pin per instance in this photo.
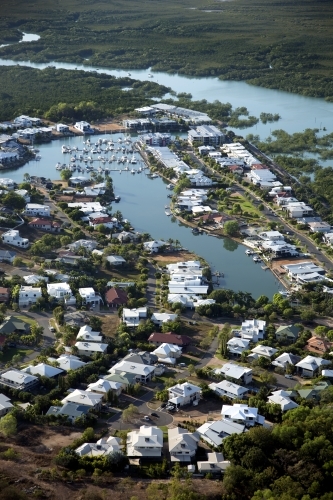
(182, 365)
(52, 329)
(289, 376)
(146, 417)
(163, 405)
(154, 415)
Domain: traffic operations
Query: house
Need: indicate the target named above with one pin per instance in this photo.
(215, 464)
(168, 353)
(271, 236)
(125, 379)
(319, 227)
(154, 246)
(29, 295)
(90, 348)
(34, 279)
(142, 373)
(4, 294)
(253, 330)
(242, 414)
(60, 291)
(43, 370)
(17, 379)
(146, 442)
(37, 210)
(132, 316)
(262, 351)
(216, 431)
(72, 411)
(5, 405)
(84, 127)
(24, 193)
(103, 386)
(237, 345)
(116, 297)
(169, 338)
(282, 399)
(12, 324)
(182, 444)
(12, 237)
(102, 448)
(45, 225)
(184, 394)
(68, 362)
(309, 366)
(142, 357)
(236, 373)
(318, 345)
(61, 128)
(287, 333)
(286, 359)
(116, 260)
(89, 245)
(303, 271)
(89, 296)
(160, 318)
(298, 209)
(6, 256)
(85, 398)
(226, 388)
(86, 333)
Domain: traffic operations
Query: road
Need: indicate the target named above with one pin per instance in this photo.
(151, 286)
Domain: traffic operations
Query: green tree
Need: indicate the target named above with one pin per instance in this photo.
(231, 228)
(66, 175)
(8, 425)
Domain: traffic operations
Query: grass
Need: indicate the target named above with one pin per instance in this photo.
(12, 351)
(26, 319)
(110, 324)
(245, 205)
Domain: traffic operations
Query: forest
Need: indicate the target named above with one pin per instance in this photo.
(270, 43)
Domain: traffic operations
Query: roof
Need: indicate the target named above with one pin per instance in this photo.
(215, 462)
(130, 367)
(288, 330)
(220, 429)
(68, 362)
(225, 385)
(185, 389)
(116, 296)
(283, 401)
(11, 323)
(85, 398)
(91, 346)
(104, 386)
(167, 349)
(311, 363)
(178, 436)
(18, 377)
(43, 370)
(124, 378)
(316, 344)
(69, 409)
(263, 350)
(170, 338)
(286, 358)
(5, 402)
(234, 371)
(241, 412)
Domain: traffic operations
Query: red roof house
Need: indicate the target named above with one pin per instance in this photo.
(169, 338)
(116, 297)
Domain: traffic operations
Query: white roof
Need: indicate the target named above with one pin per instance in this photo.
(86, 292)
(33, 279)
(101, 448)
(167, 349)
(5, 402)
(218, 430)
(263, 350)
(234, 371)
(43, 370)
(104, 386)
(241, 412)
(185, 389)
(68, 362)
(54, 287)
(18, 377)
(147, 438)
(85, 398)
(130, 367)
(115, 258)
(163, 317)
(311, 363)
(285, 402)
(179, 436)
(227, 386)
(91, 346)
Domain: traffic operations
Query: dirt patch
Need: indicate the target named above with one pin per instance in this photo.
(175, 257)
(57, 439)
(110, 323)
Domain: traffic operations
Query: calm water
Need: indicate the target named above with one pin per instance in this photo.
(143, 201)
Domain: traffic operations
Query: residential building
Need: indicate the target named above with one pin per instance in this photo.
(282, 399)
(157, 139)
(287, 333)
(12, 324)
(7, 183)
(154, 246)
(61, 291)
(237, 345)
(286, 359)
(169, 338)
(304, 271)
(103, 386)
(24, 193)
(146, 442)
(90, 348)
(125, 379)
(319, 227)
(215, 464)
(184, 394)
(226, 388)
(12, 237)
(142, 357)
(68, 362)
(242, 414)
(160, 318)
(253, 330)
(309, 366)
(262, 351)
(216, 431)
(132, 316)
(142, 373)
(298, 209)
(89, 245)
(236, 373)
(116, 297)
(4, 294)
(206, 135)
(86, 333)
(17, 379)
(116, 260)
(72, 411)
(43, 370)
(182, 444)
(102, 448)
(86, 398)
(168, 353)
(29, 295)
(318, 345)
(45, 225)
(89, 296)
(37, 210)
(84, 127)
(5, 405)
(7, 256)
(61, 128)
(34, 279)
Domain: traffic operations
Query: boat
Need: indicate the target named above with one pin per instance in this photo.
(150, 75)
(168, 212)
(249, 252)
(133, 171)
(170, 186)
(117, 198)
(126, 168)
(153, 176)
(38, 157)
(58, 166)
(133, 159)
(256, 259)
(195, 230)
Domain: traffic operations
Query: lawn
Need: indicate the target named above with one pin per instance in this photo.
(9, 353)
(245, 205)
(26, 319)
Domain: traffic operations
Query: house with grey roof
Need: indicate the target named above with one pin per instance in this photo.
(282, 398)
(43, 370)
(262, 351)
(17, 379)
(216, 431)
(236, 373)
(287, 333)
(215, 464)
(102, 448)
(70, 410)
(182, 444)
(310, 365)
(5, 405)
(141, 357)
(86, 398)
(237, 345)
(286, 359)
(228, 389)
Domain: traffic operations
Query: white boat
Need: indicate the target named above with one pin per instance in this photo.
(249, 252)
(168, 213)
(133, 159)
(170, 186)
(58, 166)
(256, 259)
(153, 176)
(126, 168)
(64, 149)
(133, 171)
(150, 75)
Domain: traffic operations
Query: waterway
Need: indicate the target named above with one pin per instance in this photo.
(142, 202)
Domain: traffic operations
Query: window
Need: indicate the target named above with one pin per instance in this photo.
(182, 446)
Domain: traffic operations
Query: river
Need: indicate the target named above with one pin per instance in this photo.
(143, 201)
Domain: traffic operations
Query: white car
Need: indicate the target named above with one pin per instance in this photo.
(289, 376)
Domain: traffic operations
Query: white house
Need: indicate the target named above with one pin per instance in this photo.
(7, 183)
(103, 386)
(153, 246)
(271, 236)
(262, 351)
(215, 432)
(303, 271)
(132, 316)
(24, 193)
(183, 266)
(89, 296)
(101, 448)
(142, 373)
(89, 245)
(12, 237)
(309, 366)
(84, 127)
(253, 330)
(85, 398)
(282, 399)
(68, 362)
(43, 370)
(61, 291)
(236, 373)
(237, 345)
(168, 353)
(116, 260)
(184, 394)
(146, 442)
(242, 414)
(29, 295)
(34, 279)
(215, 464)
(229, 389)
(61, 128)
(90, 348)
(285, 359)
(86, 333)
(37, 210)
(5, 405)
(182, 444)
(160, 318)
(18, 379)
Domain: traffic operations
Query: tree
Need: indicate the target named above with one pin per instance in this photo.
(65, 175)
(14, 201)
(8, 425)
(191, 369)
(231, 228)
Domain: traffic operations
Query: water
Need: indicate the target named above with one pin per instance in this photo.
(27, 37)
(143, 201)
